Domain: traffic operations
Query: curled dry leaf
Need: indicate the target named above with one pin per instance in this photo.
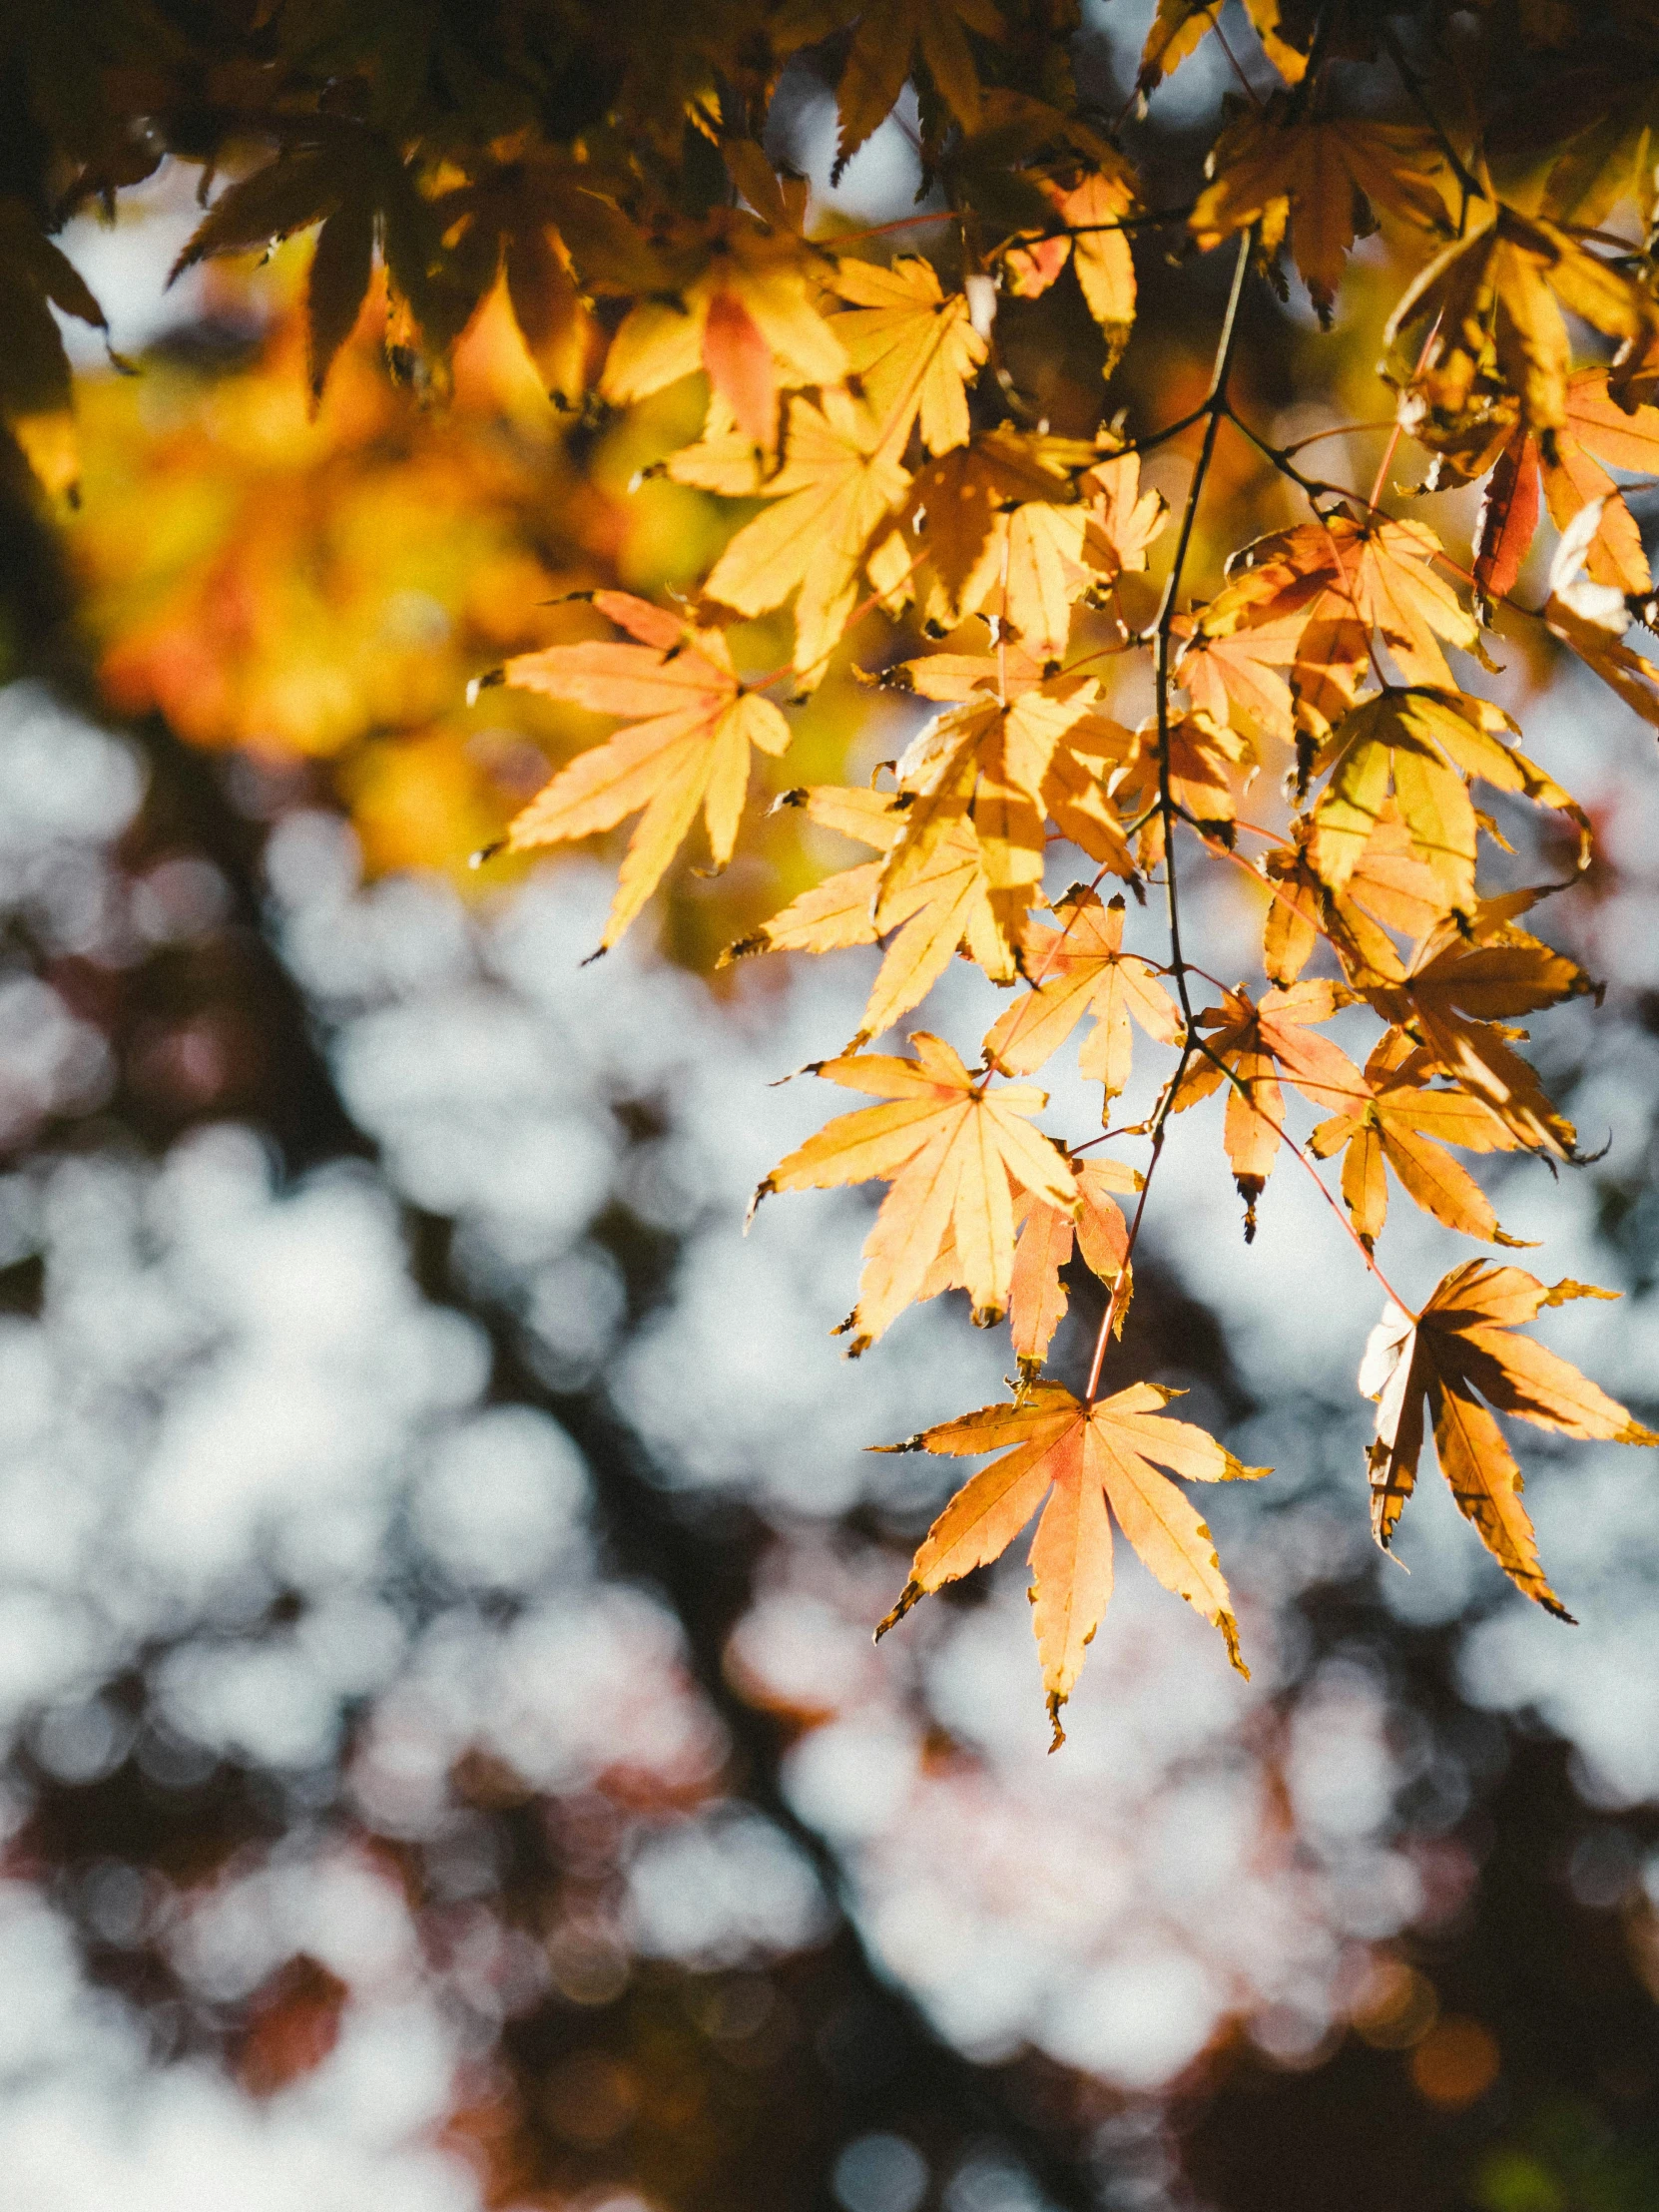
(1080, 1459)
(1437, 1370)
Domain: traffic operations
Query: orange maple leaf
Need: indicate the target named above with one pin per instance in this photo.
(1321, 175)
(1037, 1296)
(954, 1153)
(1404, 1125)
(1082, 968)
(1459, 1351)
(938, 908)
(1457, 997)
(1078, 1457)
(686, 747)
(1247, 1046)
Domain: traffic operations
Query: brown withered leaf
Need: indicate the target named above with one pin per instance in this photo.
(685, 746)
(1404, 1124)
(954, 1154)
(1080, 1459)
(1247, 1046)
(1082, 968)
(1435, 1372)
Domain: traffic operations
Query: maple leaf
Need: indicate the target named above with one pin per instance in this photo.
(1323, 176)
(1179, 27)
(885, 44)
(35, 399)
(1229, 663)
(1080, 1459)
(735, 301)
(1438, 1368)
(938, 909)
(999, 760)
(1390, 890)
(1607, 159)
(509, 221)
(1037, 1297)
(834, 487)
(1404, 1124)
(1100, 256)
(686, 747)
(1247, 1045)
(354, 186)
(1597, 430)
(954, 1152)
(1424, 744)
(1204, 756)
(1003, 525)
(1080, 969)
(1593, 617)
(913, 349)
(1457, 997)
(1496, 298)
(1329, 585)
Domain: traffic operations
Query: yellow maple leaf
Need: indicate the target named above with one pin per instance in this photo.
(1494, 299)
(686, 747)
(833, 491)
(937, 909)
(954, 1153)
(735, 301)
(913, 349)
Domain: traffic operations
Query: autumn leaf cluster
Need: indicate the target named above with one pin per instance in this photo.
(604, 182)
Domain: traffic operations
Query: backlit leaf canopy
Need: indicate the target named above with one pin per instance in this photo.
(549, 381)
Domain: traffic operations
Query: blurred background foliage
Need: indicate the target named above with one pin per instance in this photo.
(448, 1765)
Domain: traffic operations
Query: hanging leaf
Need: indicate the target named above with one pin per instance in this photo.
(1436, 1372)
(954, 1153)
(1078, 1458)
(686, 747)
